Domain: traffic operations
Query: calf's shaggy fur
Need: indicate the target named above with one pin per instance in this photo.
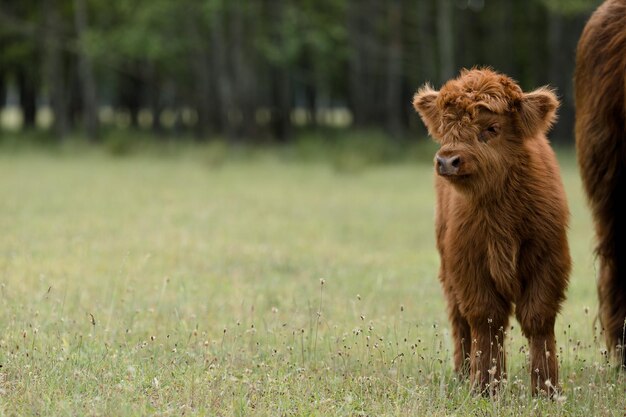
(501, 220)
(600, 83)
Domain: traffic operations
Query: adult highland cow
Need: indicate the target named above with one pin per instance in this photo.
(600, 83)
(501, 220)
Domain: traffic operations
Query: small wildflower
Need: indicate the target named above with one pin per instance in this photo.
(322, 281)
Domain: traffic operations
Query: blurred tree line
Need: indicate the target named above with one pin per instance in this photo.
(249, 70)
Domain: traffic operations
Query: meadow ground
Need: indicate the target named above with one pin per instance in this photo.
(171, 286)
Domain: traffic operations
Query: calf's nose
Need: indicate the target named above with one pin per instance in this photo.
(448, 165)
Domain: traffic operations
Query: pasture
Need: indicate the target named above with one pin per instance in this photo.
(167, 285)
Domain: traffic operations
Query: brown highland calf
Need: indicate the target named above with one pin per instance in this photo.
(501, 220)
(600, 83)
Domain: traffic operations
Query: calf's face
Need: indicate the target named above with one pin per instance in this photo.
(481, 121)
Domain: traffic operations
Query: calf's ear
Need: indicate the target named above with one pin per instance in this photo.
(538, 111)
(424, 102)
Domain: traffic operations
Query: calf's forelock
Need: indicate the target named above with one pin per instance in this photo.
(457, 105)
(479, 89)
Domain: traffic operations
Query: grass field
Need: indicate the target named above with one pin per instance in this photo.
(163, 285)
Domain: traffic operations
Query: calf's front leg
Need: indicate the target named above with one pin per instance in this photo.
(536, 312)
(488, 359)
(543, 362)
(539, 330)
(462, 338)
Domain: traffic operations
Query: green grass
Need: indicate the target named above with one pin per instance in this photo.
(151, 285)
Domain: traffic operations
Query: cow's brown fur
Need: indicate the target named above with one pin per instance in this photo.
(600, 82)
(501, 221)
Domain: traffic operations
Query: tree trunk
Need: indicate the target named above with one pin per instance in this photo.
(310, 96)
(394, 108)
(558, 74)
(3, 90)
(427, 43)
(222, 74)
(73, 93)
(88, 83)
(154, 99)
(280, 79)
(130, 89)
(245, 84)
(54, 68)
(308, 69)
(201, 69)
(3, 93)
(28, 97)
(281, 104)
(445, 38)
(357, 93)
(502, 34)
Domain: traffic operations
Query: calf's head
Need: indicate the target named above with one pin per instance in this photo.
(482, 121)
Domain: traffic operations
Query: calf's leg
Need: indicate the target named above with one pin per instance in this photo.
(461, 336)
(545, 277)
(539, 330)
(488, 360)
(462, 339)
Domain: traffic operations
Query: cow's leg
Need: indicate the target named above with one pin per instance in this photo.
(612, 301)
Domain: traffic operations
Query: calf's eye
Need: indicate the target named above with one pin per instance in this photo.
(488, 133)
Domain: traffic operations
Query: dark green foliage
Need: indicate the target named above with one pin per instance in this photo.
(258, 70)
